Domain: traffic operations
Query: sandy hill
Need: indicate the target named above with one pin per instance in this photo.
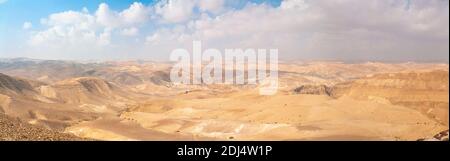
(124, 78)
(425, 91)
(13, 85)
(84, 90)
(59, 105)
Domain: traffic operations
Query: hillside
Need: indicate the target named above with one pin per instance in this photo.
(84, 90)
(425, 91)
(10, 85)
(14, 130)
(62, 104)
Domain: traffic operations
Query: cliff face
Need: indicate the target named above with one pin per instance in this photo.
(423, 91)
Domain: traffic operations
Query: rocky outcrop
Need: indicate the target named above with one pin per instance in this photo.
(313, 90)
(442, 136)
(15, 130)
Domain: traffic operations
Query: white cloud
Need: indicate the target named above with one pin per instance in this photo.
(213, 6)
(27, 25)
(70, 18)
(66, 28)
(136, 14)
(294, 4)
(343, 29)
(105, 37)
(107, 17)
(174, 35)
(85, 32)
(133, 31)
(175, 11)
(178, 11)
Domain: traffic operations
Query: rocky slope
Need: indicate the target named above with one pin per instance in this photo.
(12, 129)
(313, 89)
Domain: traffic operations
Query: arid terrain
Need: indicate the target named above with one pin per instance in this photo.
(135, 100)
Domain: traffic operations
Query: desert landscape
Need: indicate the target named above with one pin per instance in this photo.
(135, 100)
(224, 70)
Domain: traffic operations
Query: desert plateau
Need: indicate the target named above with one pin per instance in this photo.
(135, 100)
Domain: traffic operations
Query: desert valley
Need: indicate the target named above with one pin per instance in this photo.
(135, 100)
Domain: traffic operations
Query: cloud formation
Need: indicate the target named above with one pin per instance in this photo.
(175, 11)
(214, 6)
(27, 25)
(319, 29)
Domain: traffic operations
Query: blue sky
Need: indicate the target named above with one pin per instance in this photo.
(14, 13)
(405, 30)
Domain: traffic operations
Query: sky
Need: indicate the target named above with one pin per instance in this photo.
(343, 30)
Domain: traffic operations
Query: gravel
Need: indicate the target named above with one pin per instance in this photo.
(12, 129)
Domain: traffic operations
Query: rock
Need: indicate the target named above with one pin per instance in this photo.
(442, 136)
(14, 130)
(313, 90)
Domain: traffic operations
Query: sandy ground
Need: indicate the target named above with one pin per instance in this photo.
(253, 117)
